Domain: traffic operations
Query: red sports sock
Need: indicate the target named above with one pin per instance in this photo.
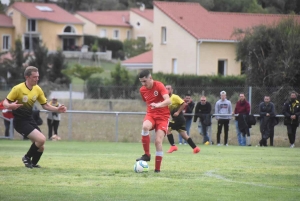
(146, 144)
(158, 160)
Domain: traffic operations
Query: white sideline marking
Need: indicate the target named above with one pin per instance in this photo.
(211, 173)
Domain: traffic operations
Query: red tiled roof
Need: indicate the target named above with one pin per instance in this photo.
(5, 21)
(107, 18)
(146, 57)
(147, 13)
(212, 25)
(58, 15)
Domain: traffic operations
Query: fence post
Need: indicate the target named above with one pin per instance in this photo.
(70, 114)
(250, 97)
(117, 126)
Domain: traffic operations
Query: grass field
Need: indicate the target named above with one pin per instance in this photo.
(104, 171)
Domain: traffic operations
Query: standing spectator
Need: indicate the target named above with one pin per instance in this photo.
(157, 99)
(189, 107)
(21, 100)
(267, 121)
(242, 108)
(7, 113)
(223, 106)
(291, 112)
(203, 111)
(53, 120)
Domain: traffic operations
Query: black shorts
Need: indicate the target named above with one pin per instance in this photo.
(25, 126)
(178, 126)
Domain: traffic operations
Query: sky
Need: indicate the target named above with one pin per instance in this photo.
(5, 2)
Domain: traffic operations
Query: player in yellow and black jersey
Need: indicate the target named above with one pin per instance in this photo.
(21, 100)
(178, 121)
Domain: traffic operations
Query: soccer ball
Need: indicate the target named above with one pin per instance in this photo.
(141, 166)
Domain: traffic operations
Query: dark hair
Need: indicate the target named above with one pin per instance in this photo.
(187, 94)
(144, 73)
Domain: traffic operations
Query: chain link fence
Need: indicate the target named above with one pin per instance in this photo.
(103, 127)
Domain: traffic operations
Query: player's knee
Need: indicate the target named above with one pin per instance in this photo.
(145, 132)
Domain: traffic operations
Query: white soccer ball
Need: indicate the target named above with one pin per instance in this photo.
(141, 166)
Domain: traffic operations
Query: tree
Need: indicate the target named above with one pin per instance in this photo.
(135, 47)
(272, 53)
(82, 72)
(120, 76)
(55, 67)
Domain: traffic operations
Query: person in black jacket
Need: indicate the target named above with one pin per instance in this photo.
(203, 112)
(291, 112)
(267, 121)
(188, 118)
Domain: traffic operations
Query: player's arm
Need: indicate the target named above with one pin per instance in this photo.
(182, 106)
(51, 108)
(165, 103)
(12, 105)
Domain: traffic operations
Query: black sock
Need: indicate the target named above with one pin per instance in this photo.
(32, 150)
(36, 157)
(171, 139)
(191, 143)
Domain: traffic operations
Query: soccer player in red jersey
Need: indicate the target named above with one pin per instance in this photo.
(157, 99)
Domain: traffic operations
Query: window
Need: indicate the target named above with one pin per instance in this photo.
(31, 25)
(6, 42)
(243, 68)
(116, 34)
(102, 33)
(69, 29)
(174, 66)
(44, 8)
(222, 65)
(141, 42)
(128, 34)
(164, 35)
(35, 42)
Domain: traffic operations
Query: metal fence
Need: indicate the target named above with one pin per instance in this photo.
(121, 116)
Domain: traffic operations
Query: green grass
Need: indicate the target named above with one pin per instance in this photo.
(104, 171)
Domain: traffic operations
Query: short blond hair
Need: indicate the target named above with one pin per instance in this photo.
(29, 70)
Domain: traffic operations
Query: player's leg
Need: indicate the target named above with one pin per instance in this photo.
(171, 138)
(37, 148)
(159, 151)
(147, 126)
(189, 140)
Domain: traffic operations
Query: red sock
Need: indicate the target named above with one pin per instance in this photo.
(158, 160)
(146, 144)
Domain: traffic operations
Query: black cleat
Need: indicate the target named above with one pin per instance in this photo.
(36, 166)
(144, 157)
(27, 162)
(157, 171)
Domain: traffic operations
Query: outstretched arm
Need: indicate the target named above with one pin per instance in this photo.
(60, 109)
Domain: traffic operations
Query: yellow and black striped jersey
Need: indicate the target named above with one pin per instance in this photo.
(27, 97)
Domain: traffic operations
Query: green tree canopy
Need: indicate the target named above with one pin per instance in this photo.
(272, 53)
(82, 72)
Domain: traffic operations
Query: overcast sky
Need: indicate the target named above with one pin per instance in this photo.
(5, 2)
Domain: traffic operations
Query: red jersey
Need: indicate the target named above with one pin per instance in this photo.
(155, 95)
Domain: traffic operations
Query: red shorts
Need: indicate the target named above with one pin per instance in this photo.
(159, 122)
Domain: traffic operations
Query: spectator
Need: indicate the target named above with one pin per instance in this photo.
(203, 112)
(188, 118)
(223, 106)
(291, 112)
(7, 113)
(242, 108)
(267, 121)
(53, 120)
